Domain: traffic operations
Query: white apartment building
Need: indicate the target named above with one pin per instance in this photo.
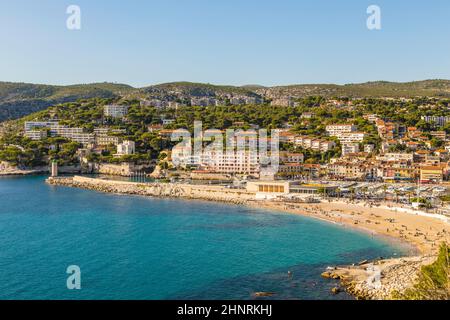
(307, 115)
(350, 148)
(396, 157)
(338, 129)
(174, 104)
(203, 101)
(101, 131)
(126, 148)
(182, 156)
(369, 148)
(252, 100)
(290, 169)
(286, 136)
(153, 103)
(304, 142)
(232, 163)
(351, 137)
(83, 138)
(64, 131)
(437, 120)
(236, 101)
(106, 131)
(349, 170)
(314, 144)
(115, 111)
(244, 162)
(102, 140)
(326, 145)
(36, 134)
(167, 121)
(31, 125)
(288, 157)
(441, 135)
(75, 134)
(371, 117)
(283, 102)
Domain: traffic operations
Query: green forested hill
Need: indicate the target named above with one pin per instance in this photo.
(20, 99)
(201, 89)
(428, 88)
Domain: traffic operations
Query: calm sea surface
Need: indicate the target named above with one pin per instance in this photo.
(131, 247)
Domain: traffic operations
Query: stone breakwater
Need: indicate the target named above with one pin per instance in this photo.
(166, 190)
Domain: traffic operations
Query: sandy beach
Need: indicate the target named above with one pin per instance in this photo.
(424, 233)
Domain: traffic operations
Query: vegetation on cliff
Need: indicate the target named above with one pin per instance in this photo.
(433, 282)
(20, 99)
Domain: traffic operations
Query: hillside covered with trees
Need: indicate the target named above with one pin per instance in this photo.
(20, 99)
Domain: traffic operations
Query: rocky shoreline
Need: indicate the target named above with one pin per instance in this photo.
(395, 275)
(21, 173)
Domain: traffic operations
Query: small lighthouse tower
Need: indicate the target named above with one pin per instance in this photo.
(54, 168)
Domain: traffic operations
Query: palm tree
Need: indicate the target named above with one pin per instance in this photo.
(322, 192)
(339, 193)
(352, 192)
(409, 196)
(364, 191)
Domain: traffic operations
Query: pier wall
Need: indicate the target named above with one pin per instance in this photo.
(156, 189)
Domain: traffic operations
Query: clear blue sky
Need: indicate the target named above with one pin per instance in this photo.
(143, 42)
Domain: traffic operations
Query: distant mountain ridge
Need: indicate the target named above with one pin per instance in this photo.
(428, 88)
(200, 89)
(20, 99)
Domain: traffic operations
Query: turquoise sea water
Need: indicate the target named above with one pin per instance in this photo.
(141, 248)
